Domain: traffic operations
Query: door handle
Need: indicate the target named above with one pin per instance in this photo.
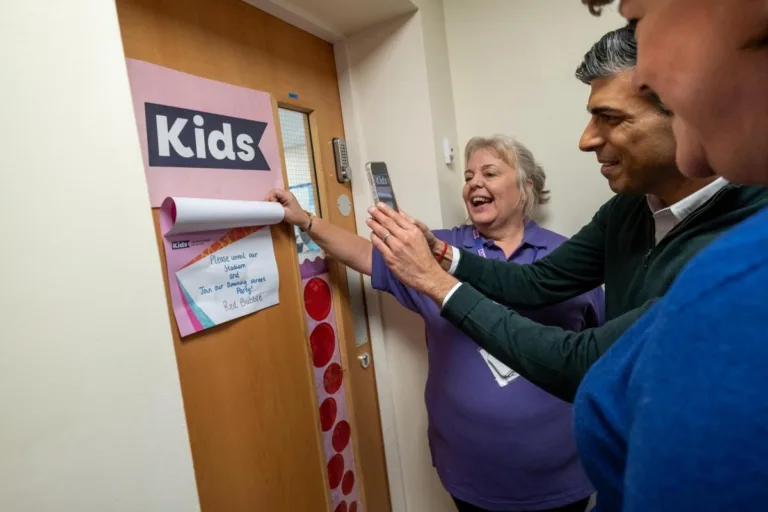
(365, 360)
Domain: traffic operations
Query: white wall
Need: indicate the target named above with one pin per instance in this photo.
(450, 178)
(512, 67)
(388, 115)
(92, 417)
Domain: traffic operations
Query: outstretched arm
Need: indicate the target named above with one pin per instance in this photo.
(575, 267)
(349, 248)
(552, 358)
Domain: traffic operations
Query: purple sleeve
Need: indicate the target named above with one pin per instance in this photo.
(585, 311)
(382, 279)
(594, 315)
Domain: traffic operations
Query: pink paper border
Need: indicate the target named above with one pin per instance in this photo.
(157, 84)
(342, 410)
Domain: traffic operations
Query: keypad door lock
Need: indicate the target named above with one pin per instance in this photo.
(343, 171)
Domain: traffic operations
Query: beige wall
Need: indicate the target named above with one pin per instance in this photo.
(387, 97)
(512, 67)
(89, 391)
(449, 176)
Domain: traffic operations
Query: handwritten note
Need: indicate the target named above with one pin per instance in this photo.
(220, 274)
(234, 281)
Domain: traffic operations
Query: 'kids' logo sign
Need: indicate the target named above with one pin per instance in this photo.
(180, 137)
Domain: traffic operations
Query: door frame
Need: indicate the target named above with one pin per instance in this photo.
(324, 122)
(322, 198)
(361, 195)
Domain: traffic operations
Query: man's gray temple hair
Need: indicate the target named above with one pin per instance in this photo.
(614, 53)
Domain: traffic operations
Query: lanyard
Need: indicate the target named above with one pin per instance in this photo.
(479, 247)
(501, 372)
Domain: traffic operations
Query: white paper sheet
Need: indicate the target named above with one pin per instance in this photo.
(194, 214)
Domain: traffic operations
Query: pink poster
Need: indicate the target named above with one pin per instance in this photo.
(202, 138)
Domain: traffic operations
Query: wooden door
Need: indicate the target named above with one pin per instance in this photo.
(251, 386)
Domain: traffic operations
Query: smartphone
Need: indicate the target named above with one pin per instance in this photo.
(381, 184)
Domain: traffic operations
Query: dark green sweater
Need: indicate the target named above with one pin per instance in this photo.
(616, 248)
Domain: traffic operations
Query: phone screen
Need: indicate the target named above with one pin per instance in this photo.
(382, 184)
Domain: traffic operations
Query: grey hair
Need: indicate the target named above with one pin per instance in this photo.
(530, 176)
(615, 53)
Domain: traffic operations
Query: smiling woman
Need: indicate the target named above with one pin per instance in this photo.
(517, 171)
(498, 442)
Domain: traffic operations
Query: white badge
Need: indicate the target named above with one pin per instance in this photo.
(501, 372)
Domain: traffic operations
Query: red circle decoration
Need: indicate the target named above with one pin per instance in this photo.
(335, 470)
(332, 378)
(341, 435)
(317, 298)
(323, 342)
(327, 414)
(348, 483)
(342, 507)
(353, 507)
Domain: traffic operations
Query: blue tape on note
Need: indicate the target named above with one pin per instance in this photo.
(293, 95)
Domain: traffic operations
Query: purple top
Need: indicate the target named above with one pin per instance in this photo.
(498, 448)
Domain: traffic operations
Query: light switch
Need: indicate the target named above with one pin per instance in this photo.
(448, 151)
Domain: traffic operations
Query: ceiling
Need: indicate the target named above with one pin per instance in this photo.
(333, 20)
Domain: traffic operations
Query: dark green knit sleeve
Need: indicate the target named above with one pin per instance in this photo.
(575, 267)
(552, 358)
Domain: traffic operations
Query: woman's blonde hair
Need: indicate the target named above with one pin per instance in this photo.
(530, 176)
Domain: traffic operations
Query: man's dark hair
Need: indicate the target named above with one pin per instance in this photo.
(613, 54)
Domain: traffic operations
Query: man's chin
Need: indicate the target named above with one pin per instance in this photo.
(617, 186)
(693, 166)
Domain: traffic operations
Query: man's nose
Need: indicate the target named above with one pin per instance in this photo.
(591, 139)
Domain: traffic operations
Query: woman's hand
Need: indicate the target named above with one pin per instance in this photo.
(430, 237)
(407, 253)
(440, 250)
(294, 214)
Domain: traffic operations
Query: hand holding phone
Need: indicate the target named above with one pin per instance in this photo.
(381, 184)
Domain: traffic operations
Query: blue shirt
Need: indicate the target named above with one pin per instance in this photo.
(499, 448)
(674, 417)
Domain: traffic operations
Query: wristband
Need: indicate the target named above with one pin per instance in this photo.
(442, 254)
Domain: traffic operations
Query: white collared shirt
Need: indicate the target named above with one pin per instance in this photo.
(665, 219)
